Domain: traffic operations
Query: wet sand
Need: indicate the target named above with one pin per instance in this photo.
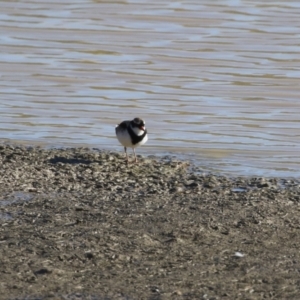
(81, 224)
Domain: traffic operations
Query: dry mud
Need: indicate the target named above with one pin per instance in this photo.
(81, 224)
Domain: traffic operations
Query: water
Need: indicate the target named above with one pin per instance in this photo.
(216, 81)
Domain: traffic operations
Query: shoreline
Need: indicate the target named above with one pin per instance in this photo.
(210, 161)
(77, 223)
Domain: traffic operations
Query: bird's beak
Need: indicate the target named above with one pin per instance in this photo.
(142, 128)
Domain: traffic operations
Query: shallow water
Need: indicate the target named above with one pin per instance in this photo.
(217, 82)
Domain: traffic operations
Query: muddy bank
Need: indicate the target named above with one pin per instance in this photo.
(81, 224)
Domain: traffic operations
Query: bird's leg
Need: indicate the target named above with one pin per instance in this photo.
(126, 155)
(135, 155)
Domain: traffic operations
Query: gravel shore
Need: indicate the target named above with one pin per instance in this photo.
(81, 224)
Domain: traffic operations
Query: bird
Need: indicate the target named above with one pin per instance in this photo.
(132, 134)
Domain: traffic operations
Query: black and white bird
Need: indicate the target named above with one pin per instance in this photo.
(132, 134)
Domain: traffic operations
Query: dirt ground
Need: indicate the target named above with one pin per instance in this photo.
(81, 224)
